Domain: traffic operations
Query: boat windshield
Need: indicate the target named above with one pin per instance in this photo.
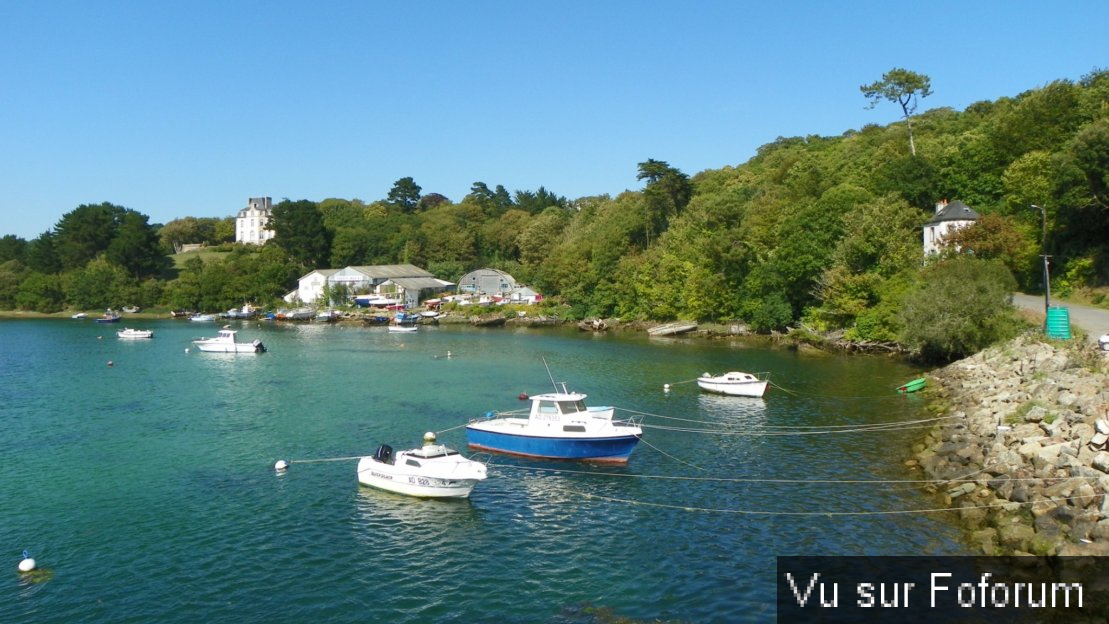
(434, 452)
(571, 407)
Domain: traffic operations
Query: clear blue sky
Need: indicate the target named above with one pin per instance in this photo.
(182, 108)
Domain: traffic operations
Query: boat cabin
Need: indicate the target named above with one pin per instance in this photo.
(564, 407)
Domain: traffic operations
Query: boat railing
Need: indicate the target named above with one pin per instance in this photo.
(482, 458)
(491, 414)
(631, 420)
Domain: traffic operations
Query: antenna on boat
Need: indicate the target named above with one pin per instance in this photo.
(553, 383)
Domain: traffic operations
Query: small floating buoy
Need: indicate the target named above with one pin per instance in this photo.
(666, 387)
(281, 465)
(448, 355)
(186, 349)
(110, 364)
(100, 337)
(523, 396)
(27, 564)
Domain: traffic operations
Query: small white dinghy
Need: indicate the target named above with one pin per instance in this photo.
(735, 383)
(431, 471)
(129, 333)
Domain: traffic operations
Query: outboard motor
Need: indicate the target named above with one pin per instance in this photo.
(384, 454)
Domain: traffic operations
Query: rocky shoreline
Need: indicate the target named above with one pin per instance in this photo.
(1018, 454)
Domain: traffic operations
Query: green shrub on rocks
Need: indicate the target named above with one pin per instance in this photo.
(963, 306)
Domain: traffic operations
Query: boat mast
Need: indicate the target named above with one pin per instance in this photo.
(553, 383)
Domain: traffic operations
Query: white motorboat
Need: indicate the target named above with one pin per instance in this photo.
(129, 333)
(203, 318)
(224, 342)
(79, 315)
(735, 383)
(431, 471)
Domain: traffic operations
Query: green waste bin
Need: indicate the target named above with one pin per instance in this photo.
(1058, 323)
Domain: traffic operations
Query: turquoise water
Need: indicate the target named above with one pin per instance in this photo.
(147, 488)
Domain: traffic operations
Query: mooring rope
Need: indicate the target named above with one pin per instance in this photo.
(760, 512)
(775, 480)
(756, 433)
(716, 422)
(802, 394)
(836, 396)
(680, 461)
(327, 459)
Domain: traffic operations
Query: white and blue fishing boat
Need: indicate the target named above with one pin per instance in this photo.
(558, 426)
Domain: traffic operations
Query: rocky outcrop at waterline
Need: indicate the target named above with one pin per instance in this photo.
(1018, 452)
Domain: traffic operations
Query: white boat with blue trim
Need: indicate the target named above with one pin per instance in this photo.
(558, 426)
(431, 471)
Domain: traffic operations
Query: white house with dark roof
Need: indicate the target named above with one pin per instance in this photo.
(252, 222)
(948, 218)
(405, 282)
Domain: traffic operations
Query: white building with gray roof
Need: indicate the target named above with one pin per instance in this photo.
(948, 218)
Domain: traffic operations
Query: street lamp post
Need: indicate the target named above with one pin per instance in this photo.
(1047, 272)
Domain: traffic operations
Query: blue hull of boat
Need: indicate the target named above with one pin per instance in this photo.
(608, 450)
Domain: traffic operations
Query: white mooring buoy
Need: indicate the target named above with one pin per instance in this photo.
(666, 387)
(27, 564)
(281, 465)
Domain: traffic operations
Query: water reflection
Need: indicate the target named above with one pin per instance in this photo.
(736, 410)
(381, 513)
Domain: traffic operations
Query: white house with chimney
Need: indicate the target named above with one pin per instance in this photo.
(948, 218)
(252, 222)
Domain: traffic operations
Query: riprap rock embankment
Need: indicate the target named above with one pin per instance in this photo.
(1019, 452)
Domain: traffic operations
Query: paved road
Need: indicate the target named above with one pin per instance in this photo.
(1095, 321)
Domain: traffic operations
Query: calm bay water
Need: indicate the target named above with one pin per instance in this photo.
(147, 488)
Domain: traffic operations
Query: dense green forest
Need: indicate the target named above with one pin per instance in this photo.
(813, 231)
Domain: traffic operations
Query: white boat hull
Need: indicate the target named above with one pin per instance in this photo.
(735, 384)
(431, 472)
(370, 473)
(132, 334)
(225, 343)
(238, 347)
(671, 329)
(404, 329)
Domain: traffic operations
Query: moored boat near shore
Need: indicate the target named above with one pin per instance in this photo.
(224, 342)
(129, 333)
(912, 386)
(558, 426)
(735, 383)
(431, 471)
(110, 316)
(670, 329)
